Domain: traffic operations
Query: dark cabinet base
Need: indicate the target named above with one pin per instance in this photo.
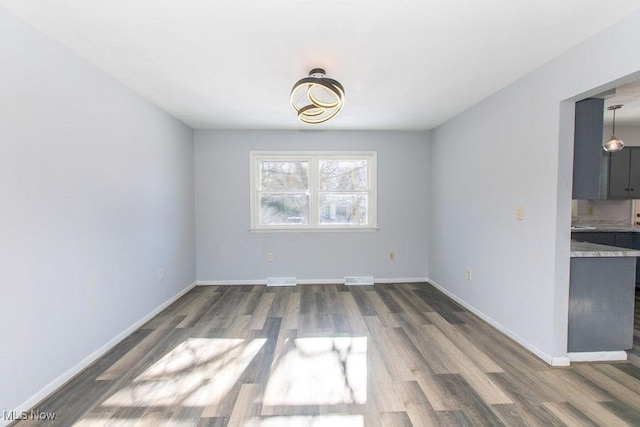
(601, 304)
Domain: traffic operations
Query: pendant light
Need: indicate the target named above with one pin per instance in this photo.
(614, 143)
(317, 98)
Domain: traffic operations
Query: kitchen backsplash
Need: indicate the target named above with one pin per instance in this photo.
(601, 212)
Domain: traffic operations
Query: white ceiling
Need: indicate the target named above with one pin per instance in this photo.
(405, 64)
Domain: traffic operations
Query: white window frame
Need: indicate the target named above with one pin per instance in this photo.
(313, 157)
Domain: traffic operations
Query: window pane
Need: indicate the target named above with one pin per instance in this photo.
(343, 175)
(350, 208)
(280, 209)
(284, 176)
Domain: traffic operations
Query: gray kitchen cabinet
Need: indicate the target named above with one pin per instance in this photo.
(590, 161)
(624, 174)
(599, 237)
(601, 300)
(630, 240)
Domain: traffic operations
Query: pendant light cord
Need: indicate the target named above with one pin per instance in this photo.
(614, 121)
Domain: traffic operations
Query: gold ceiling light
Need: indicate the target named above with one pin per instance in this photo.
(614, 143)
(317, 98)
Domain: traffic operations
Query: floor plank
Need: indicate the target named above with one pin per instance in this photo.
(388, 355)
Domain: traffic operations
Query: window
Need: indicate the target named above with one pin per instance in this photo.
(313, 190)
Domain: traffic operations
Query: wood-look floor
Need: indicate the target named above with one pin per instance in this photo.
(388, 355)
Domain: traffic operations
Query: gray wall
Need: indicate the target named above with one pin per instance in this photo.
(96, 186)
(515, 149)
(227, 250)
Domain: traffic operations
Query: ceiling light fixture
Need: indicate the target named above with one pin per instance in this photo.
(317, 98)
(614, 143)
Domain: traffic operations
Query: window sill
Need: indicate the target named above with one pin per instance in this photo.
(312, 229)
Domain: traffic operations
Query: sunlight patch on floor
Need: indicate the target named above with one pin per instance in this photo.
(90, 422)
(198, 372)
(307, 421)
(319, 371)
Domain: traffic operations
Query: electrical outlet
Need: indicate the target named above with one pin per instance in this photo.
(269, 256)
(160, 275)
(520, 213)
(392, 256)
(468, 274)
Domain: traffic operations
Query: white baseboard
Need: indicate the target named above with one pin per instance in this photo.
(309, 281)
(560, 361)
(376, 280)
(231, 282)
(551, 360)
(401, 280)
(598, 356)
(58, 382)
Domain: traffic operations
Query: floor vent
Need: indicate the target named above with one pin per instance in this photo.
(282, 281)
(358, 281)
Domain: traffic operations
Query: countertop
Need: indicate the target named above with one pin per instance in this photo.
(593, 250)
(605, 228)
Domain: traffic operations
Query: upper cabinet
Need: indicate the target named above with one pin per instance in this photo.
(598, 175)
(590, 161)
(624, 174)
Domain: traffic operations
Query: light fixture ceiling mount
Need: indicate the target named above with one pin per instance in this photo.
(317, 98)
(614, 143)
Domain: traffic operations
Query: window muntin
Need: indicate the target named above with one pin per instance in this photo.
(313, 190)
